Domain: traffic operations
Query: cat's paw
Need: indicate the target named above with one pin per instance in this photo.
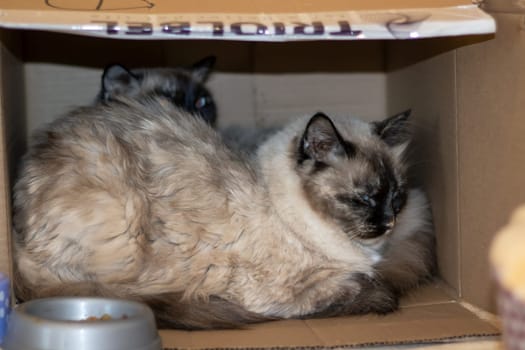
(374, 296)
(378, 301)
(363, 295)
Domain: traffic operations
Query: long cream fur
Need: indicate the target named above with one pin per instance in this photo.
(140, 200)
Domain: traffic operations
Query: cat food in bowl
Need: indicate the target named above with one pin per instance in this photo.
(82, 324)
(508, 262)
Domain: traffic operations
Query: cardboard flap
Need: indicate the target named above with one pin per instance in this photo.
(428, 315)
(264, 20)
(504, 6)
(422, 324)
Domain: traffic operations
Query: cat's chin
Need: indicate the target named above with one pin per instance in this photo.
(374, 245)
(373, 236)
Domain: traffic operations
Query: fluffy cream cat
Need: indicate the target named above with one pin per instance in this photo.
(137, 199)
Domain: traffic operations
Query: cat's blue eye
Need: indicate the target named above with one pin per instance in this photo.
(201, 102)
(369, 201)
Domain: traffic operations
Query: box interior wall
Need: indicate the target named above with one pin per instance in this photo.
(265, 84)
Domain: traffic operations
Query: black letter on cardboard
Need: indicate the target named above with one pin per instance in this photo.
(218, 27)
(346, 30)
(237, 28)
(280, 29)
(111, 26)
(177, 28)
(318, 28)
(139, 28)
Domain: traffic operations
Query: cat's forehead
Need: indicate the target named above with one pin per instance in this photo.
(368, 144)
(349, 128)
(366, 169)
(376, 170)
(164, 77)
(373, 161)
(354, 130)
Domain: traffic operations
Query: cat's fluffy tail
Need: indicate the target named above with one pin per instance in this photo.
(170, 309)
(211, 314)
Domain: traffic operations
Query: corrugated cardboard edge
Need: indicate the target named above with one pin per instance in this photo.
(267, 26)
(474, 337)
(434, 341)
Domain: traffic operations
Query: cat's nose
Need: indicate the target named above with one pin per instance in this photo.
(390, 224)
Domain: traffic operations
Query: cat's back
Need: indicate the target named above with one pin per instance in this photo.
(146, 148)
(92, 144)
(95, 185)
(122, 146)
(118, 134)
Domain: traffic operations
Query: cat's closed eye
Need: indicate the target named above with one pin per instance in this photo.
(398, 201)
(361, 200)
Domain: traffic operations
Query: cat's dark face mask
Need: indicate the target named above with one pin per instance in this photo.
(377, 204)
(184, 87)
(360, 189)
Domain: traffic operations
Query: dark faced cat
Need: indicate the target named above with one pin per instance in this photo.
(183, 86)
(137, 199)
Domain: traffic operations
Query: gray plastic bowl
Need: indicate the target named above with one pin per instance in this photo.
(61, 324)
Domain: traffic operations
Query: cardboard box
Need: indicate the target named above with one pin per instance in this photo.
(280, 59)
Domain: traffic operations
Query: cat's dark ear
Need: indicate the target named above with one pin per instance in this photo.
(116, 78)
(202, 69)
(394, 130)
(321, 140)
